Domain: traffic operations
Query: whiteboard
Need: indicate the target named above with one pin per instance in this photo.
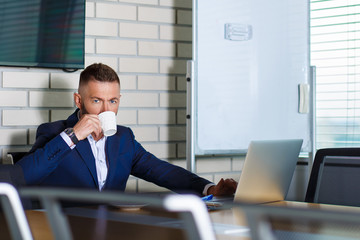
(247, 81)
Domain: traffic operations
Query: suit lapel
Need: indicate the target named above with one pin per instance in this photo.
(114, 170)
(110, 159)
(84, 149)
(72, 119)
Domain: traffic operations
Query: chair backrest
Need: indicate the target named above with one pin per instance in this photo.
(13, 174)
(14, 212)
(335, 177)
(198, 227)
(16, 156)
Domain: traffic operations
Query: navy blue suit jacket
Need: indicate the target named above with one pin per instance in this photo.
(52, 163)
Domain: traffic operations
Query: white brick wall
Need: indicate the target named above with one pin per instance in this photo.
(168, 66)
(156, 116)
(13, 136)
(175, 33)
(101, 28)
(147, 42)
(110, 46)
(126, 117)
(163, 49)
(13, 98)
(150, 2)
(51, 99)
(25, 79)
(161, 150)
(172, 99)
(184, 50)
(146, 134)
(115, 11)
(131, 99)
(32, 135)
(128, 82)
(64, 80)
(156, 82)
(56, 115)
(207, 165)
(138, 30)
(152, 14)
(184, 17)
(176, 3)
(24, 117)
(172, 134)
(110, 61)
(139, 65)
(181, 151)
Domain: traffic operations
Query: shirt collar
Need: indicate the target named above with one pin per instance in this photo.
(91, 139)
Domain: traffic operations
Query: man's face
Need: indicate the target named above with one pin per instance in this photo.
(97, 97)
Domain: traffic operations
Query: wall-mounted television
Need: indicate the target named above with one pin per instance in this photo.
(42, 33)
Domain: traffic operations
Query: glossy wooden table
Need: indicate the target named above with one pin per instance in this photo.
(300, 228)
(93, 228)
(335, 230)
(103, 226)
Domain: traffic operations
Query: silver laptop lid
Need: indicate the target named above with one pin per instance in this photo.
(268, 170)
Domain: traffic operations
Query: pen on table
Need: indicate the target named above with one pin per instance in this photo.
(207, 198)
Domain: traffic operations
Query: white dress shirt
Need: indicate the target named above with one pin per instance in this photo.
(98, 149)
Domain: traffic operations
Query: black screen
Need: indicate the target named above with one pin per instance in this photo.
(42, 33)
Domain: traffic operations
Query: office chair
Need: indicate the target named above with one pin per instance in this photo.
(16, 156)
(197, 227)
(335, 177)
(13, 174)
(14, 212)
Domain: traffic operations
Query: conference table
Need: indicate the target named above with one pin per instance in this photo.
(105, 222)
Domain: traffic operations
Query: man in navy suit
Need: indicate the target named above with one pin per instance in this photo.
(75, 153)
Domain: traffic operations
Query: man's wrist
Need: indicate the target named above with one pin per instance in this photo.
(207, 188)
(70, 132)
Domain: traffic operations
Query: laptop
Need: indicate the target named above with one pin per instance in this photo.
(268, 170)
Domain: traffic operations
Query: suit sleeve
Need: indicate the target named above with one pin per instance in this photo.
(164, 174)
(45, 155)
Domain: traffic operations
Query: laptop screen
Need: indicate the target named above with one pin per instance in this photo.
(268, 170)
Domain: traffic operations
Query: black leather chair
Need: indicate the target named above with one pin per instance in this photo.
(14, 175)
(335, 177)
(16, 156)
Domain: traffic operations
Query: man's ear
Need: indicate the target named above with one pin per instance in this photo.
(77, 100)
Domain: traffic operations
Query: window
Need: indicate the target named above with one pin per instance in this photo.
(335, 51)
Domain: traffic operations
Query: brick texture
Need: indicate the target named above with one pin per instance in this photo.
(13, 99)
(115, 11)
(152, 14)
(138, 30)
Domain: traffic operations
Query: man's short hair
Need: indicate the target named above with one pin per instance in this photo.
(98, 72)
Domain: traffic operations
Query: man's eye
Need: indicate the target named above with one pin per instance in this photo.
(113, 101)
(96, 101)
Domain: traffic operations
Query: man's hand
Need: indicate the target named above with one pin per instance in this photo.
(223, 188)
(88, 124)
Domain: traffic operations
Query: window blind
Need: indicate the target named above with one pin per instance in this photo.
(335, 51)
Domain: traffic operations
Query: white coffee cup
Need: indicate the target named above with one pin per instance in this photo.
(108, 123)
